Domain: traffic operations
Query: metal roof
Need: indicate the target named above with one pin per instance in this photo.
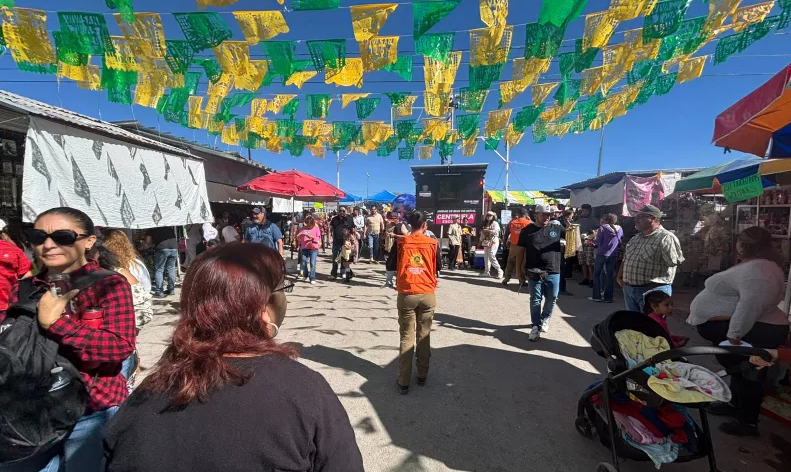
(615, 177)
(28, 106)
(185, 144)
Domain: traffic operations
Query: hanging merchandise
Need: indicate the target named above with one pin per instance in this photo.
(305, 5)
(406, 154)
(260, 26)
(203, 30)
(378, 52)
(436, 46)
(425, 153)
(234, 57)
(279, 102)
(472, 101)
(626, 10)
(560, 12)
(665, 19)
(124, 8)
(428, 14)
(367, 20)
(486, 50)
(599, 28)
(25, 34)
(348, 98)
(542, 91)
(330, 53)
(402, 67)
(543, 41)
(350, 75)
(526, 117)
(366, 106)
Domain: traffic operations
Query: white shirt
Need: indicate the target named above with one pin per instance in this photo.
(140, 272)
(229, 234)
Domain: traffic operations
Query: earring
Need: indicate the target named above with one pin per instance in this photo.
(277, 330)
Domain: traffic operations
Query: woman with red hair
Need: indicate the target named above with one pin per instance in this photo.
(225, 396)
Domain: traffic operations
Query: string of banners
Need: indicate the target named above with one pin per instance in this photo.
(143, 67)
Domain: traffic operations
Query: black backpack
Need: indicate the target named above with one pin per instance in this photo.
(42, 395)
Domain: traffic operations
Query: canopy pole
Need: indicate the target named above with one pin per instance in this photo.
(601, 152)
(507, 170)
(338, 170)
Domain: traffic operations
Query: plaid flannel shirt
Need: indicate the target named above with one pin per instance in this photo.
(98, 353)
(652, 259)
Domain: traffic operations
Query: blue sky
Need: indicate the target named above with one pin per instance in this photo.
(671, 131)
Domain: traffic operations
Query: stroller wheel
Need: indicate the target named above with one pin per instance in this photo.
(605, 467)
(584, 427)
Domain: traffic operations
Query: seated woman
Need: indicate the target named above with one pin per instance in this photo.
(225, 396)
(740, 305)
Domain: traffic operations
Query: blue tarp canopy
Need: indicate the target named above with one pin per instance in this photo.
(382, 197)
(405, 199)
(350, 198)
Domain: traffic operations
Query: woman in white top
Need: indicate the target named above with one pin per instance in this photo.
(491, 243)
(740, 305)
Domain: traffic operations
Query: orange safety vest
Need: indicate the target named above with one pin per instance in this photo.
(517, 226)
(417, 265)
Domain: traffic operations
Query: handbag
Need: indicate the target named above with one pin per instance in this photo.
(536, 274)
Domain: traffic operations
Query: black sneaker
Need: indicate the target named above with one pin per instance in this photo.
(403, 390)
(421, 382)
(721, 409)
(585, 282)
(740, 429)
(566, 293)
(158, 295)
(505, 281)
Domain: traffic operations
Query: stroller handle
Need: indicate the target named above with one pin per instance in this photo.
(707, 350)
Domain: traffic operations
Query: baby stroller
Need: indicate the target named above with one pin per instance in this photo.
(598, 418)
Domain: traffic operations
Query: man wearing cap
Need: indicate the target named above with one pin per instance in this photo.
(542, 255)
(651, 259)
(338, 223)
(587, 254)
(516, 253)
(263, 231)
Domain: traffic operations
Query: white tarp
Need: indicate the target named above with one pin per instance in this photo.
(116, 183)
(284, 205)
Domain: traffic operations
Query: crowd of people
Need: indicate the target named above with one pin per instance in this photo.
(90, 293)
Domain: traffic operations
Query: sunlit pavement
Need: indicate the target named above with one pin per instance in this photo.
(494, 400)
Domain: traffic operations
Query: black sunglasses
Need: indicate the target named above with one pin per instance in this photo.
(287, 287)
(61, 237)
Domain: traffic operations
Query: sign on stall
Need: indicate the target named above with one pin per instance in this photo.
(743, 189)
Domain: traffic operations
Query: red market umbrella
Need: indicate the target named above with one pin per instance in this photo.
(760, 118)
(295, 185)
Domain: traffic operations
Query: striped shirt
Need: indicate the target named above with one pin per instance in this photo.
(652, 259)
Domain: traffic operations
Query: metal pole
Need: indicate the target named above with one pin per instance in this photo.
(507, 169)
(601, 152)
(338, 168)
(367, 178)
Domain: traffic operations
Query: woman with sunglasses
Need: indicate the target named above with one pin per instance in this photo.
(61, 238)
(225, 396)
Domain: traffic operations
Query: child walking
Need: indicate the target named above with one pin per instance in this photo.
(658, 306)
(348, 254)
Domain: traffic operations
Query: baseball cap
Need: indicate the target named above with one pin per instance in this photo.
(586, 207)
(543, 209)
(258, 210)
(651, 211)
(554, 209)
(3, 224)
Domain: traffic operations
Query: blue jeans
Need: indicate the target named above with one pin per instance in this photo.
(633, 296)
(607, 264)
(165, 258)
(373, 245)
(309, 255)
(336, 251)
(82, 451)
(546, 290)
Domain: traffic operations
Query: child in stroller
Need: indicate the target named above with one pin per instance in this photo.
(638, 410)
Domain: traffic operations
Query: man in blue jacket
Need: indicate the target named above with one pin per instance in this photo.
(263, 231)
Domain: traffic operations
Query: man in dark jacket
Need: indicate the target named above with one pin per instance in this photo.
(337, 224)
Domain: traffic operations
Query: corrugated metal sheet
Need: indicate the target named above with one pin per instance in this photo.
(12, 105)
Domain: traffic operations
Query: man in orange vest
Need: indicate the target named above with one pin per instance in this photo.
(515, 252)
(417, 282)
